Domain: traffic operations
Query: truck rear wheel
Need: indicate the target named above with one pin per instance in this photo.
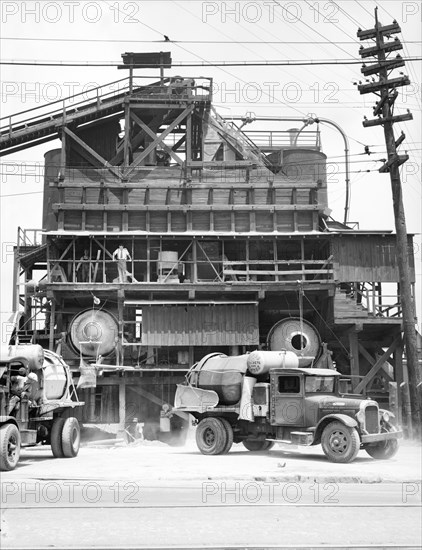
(229, 433)
(56, 437)
(383, 449)
(211, 436)
(340, 443)
(257, 444)
(10, 447)
(71, 437)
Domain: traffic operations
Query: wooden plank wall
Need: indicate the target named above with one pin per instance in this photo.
(367, 258)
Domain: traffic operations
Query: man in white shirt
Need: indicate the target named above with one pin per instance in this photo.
(121, 254)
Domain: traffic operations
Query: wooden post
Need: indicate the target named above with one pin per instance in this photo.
(393, 398)
(63, 157)
(122, 408)
(354, 357)
(52, 323)
(386, 90)
(126, 161)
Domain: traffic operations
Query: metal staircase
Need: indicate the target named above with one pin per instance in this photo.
(234, 136)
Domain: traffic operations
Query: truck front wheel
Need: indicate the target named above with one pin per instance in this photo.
(211, 436)
(10, 447)
(383, 449)
(340, 443)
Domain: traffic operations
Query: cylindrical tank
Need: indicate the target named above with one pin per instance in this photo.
(93, 332)
(222, 374)
(52, 161)
(260, 362)
(167, 265)
(298, 336)
(307, 165)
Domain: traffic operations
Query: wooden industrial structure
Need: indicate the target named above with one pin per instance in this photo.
(223, 239)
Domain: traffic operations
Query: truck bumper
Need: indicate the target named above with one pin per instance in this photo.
(385, 436)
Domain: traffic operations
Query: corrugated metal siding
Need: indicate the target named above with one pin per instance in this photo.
(227, 325)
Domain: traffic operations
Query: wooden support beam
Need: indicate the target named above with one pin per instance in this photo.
(63, 157)
(122, 408)
(354, 359)
(152, 134)
(126, 142)
(372, 362)
(158, 140)
(100, 160)
(377, 366)
(52, 323)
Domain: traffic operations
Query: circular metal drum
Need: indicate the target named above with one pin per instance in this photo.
(291, 334)
(93, 332)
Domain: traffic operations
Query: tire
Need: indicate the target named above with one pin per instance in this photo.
(71, 437)
(56, 437)
(383, 449)
(257, 444)
(269, 445)
(10, 447)
(211, 436)
(229, 433)
(340, 443)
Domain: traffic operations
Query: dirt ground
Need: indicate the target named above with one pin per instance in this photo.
(155, 460)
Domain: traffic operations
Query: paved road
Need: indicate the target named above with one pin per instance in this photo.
(77, 513)
(152, 496)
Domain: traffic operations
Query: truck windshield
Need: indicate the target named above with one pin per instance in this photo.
(319, 384)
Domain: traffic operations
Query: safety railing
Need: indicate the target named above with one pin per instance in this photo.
(100, 95)
(142, 271)
(269, 139)
(29, 237)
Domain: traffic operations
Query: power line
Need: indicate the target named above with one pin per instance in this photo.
(240, 42)
(275, 63)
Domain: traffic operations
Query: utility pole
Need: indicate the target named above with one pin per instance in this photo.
(386, 89)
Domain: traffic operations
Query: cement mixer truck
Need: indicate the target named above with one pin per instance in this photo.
(37, 400)
(265, 397)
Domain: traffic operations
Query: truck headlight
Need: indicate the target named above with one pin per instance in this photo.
(386, 417)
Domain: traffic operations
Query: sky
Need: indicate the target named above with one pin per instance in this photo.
(204, 32)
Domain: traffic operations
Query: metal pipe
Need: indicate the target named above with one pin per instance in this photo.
(306, 121)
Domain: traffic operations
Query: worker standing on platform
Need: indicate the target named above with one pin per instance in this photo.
(122, 255)
(85, 266)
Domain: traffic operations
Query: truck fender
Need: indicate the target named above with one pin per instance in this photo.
(346, 420)
(8, 420)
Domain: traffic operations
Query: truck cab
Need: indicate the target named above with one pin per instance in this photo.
(301, 406)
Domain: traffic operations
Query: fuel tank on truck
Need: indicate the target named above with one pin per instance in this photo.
(222, 374)
(260, 362)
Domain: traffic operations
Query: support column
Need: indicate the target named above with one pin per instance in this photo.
(354, 357)
(52, 323)
(122, 409)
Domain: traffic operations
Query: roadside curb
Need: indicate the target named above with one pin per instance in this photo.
(218, 478)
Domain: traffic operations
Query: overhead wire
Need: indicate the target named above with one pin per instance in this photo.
(239, 42)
